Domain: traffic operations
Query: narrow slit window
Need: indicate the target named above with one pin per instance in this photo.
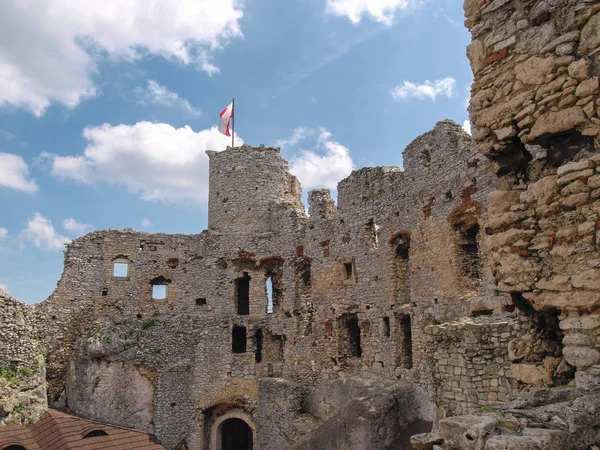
(269, 283)
(406, 344)
(386, 326)
(348, 270)
(242, 292)
(258, 341)
(200, 301)
(238, 339)
(470, 261)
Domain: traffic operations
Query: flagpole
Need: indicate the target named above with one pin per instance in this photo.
(233, 121)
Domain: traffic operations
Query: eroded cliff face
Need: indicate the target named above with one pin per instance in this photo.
(22, 364)
(537, 79)
(535, 115)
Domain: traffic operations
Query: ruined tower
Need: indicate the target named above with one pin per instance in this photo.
(245, 185)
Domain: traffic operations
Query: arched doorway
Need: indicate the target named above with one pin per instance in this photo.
(236, 435)
(232, 429)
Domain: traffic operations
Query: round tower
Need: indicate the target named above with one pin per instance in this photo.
(245, 186)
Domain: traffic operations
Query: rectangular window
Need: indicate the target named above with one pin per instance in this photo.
(349, 336)
(386, 326)
(242, 293)
(238, 339)
(159, 291)
(121, 269)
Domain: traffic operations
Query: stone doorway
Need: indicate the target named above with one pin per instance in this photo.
(230, 429)
(236, 435)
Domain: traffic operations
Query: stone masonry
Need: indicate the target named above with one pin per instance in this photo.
(458, 295)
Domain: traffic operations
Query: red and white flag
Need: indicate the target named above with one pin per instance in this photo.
(226, 116)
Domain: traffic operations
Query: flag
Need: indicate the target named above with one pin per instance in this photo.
(226, 116)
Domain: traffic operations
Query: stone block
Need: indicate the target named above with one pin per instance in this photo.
(575, 167)
(527, 373)
(555, 283)
(579, 69)
(588, 87)
(590, 279)
(581, 357)
(590, 36)
(586, 322)
(534, 70)
(467, 432)
(554, 122)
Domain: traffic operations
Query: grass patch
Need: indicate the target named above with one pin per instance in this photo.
(148, 324)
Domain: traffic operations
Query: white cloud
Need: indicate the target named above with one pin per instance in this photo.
(14, 172)
(154, 160)
(41, 233)
(156, 93)
(6, 135)
(324, 166)
(74, 227)
(381, 10)
(145, 223)
(49, 49)
(3, 233)
(299, 134)
(445, 87)
(467, 126)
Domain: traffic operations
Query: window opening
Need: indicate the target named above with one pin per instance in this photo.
(386, 326)
(372, 230)
(242, 290)
(348, 270)
(159, 291)
(200, 301)
(406, 341)
(468, 252)
(401, 266)
(121, 269)
(238, 339)
(269, 283)
(104, 292)
(258, 341)
(350, 336)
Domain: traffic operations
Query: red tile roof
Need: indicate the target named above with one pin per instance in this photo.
(59, 431)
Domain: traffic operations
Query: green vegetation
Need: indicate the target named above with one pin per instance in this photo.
(148, 324)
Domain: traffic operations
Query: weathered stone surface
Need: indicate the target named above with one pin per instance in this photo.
(581, 357)
(585, 322)
(587, 280)
(467, 432)
(588, 87)
(527, 373)
(535, 70)
(590, 36)
(554, 122)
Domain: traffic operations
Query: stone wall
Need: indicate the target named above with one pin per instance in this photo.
(537, 74)
(544, 248)
(355, 288)
(22, 364)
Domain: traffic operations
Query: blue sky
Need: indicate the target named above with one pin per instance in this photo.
(107, 108)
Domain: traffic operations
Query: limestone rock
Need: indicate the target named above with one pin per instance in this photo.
(589, 279)
(590, 36)
(554, 122)
(467, 432)
(581, 357)
(535, 70)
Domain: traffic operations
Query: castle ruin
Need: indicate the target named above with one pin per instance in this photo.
(455, 301)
